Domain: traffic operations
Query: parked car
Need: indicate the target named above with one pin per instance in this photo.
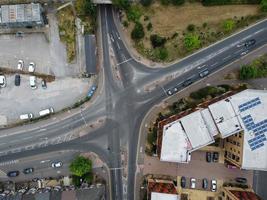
(213, 185)
(91, 91)
(183, 182)
(192, 183)
(31, 67)
(241, 180)
(2, 81)
(13, 173)
(28, 170)
(187, 82)
(45, 112)
(175, 89)
(20, 65)
(208, 156)
(44, 86)
(33, 82)
(56, 164)
(205, 183)
(26, 116)
(215, 157)
(17, 80)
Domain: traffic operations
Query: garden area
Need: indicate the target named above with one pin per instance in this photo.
(190, 102)
(166, 30)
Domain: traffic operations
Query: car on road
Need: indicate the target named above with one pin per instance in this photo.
(20, 65)
(208, 156)
(241, 180)
(175, 89)
(250, 43)
(91, 91)
(193, 183)
(17, 80)
(31, 67)
(215, 157)
(2, 81)
(205, 183)
(244, 53)
(213, 185)
(44, 86)
(28, 170)
(183, 182)
(169, 92)
(56, 164)
(204, 73)
(13, 173)
(187, 82)
(26, 116)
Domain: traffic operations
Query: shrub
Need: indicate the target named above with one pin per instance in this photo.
(149, 26)
(85, 7)
(122, 4)
(177, 2)
(146, 18)
(80, 166)
(165, 2)
(191, 41)
(134, 13)
(228, 25)
(227, 2)
(138, 31)
(207, 91)
(146, 2)
(248, 72)
(125, 23)
(161, 53)
(264, 5)
(191, 27)
(157, 41)
(204, 25)
(174, 35)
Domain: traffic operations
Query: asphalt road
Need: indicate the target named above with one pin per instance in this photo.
(123, 104)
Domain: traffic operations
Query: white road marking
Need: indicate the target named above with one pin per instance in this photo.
(214, 64)
(124, 61)
(9, 162)
(227, 57)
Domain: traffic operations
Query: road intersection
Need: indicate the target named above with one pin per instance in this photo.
(121, 104)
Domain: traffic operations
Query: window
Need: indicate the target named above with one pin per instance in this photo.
(237, 159)
(238, 144)
(233, 156)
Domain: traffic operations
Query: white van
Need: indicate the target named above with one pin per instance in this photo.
(46, 112)
(26, 116)
(33, 82)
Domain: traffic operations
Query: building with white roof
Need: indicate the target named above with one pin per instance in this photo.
(162, 196)
(21, 15)
(241, 118)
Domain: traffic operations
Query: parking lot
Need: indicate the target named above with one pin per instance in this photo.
(17, 100)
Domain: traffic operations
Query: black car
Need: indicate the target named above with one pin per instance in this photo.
(241, 180)
(17, 80)
(187, 82)
(208, 157)
(28, 170)
(205, 183)
(183, 182)
(44, 84)
(13, 173)
(215, 157)
(250, 43)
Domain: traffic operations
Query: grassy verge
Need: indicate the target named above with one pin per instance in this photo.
(256, 69)
(191, 102)
(66, 25)
(184, 29)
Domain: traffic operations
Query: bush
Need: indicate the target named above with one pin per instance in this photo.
(191, 27)
(138, 31)
(248, 72)
(165, 2)
(264, 5)
(157, 41)
(80, 166)
(146, 2)
(228, 25)
(134, 13)
(122, 4)
(204, 25)
(161, 54)
(191, 41)
(178, 2)
(149, 26)
(85, 7)
(125, 23)
(207, 91)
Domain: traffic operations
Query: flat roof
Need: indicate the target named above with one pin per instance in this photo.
(163, 196)
(197, 132)
(174, 143)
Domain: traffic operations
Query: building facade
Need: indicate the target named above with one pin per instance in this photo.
(236, 193)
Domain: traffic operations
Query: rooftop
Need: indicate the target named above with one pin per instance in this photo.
(162, 196)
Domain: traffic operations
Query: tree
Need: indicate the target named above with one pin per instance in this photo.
(149, 26)
(146, 2)
(138, 31)
(80, 166)
(161, 53)
(157, 41)
(191, 41)
(228, 25)
(191, 27)
(85, 7)
(264, 5)
(122, 4)
(178, 2)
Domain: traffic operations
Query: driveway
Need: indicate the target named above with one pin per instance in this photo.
(16, 100)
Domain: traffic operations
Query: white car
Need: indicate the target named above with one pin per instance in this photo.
(213, 185)
(193, 183)
(56, 164)
(33, 82)
(31, 67)
(20, 65)
(2, 81)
